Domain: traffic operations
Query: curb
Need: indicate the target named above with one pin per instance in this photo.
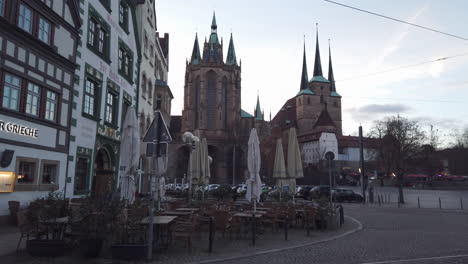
(269, 251)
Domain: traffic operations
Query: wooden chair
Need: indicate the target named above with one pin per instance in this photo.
(309, 217)
(221, 221)
(270, 218)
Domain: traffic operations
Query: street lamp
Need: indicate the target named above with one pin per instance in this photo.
(190, 141)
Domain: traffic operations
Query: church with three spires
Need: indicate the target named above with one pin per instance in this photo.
(212, 110)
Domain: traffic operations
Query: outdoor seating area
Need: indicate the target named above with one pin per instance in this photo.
(109, 228)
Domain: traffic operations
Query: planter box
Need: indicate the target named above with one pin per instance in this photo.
(45, 248)
(129, 251)
(90, 248)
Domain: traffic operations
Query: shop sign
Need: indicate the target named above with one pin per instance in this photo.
(21, 130)
(7, 181)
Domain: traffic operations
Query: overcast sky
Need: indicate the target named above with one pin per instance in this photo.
(268, 37)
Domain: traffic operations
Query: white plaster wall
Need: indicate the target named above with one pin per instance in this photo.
(25, 197)
(314, 151)
(64, 42)
(85, 130)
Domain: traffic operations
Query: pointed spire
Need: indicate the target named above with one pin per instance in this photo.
(213, 21)
(258, 111)
(304, 77)
(331, 78)
(317, 64)
(196, 58)
(214, 32)
(231, 54)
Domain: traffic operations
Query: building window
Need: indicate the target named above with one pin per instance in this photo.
(81, 174)
(125, 62)
(91, 32)
(2, 7)
(150, 90)
(44, 30)
(98, 35)
(11, 92)
(90, 106)
(143, 85)
(158, 102)
(49, 173)
(142, 124)
(51, 106)
(106, 4)
(111, 108)
(25, 18)
(32, 99)
(123, 15)
(26, 172)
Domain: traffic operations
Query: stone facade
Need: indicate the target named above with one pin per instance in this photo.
(212, 109)
(154, 93)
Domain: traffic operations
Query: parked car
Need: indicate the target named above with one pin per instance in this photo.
(211, 187)
(319, 191)
(242, 189)
(303, 191)
(346, 195)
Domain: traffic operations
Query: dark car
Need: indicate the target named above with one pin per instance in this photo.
(303, 191)
(346, 195)
(319, 191)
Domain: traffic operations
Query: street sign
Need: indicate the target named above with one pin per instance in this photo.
(330, 155)
(161, 148)
(158, 130)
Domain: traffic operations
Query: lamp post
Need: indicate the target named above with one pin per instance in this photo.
(190, 140)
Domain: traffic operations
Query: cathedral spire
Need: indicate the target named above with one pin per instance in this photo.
(331, 78)
(317, 64)
(196, 58)
(214, 31)
(304, 77)
(258, 111)
(231, 54)
(213, 22)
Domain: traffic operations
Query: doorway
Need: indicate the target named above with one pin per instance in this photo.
(103, 180)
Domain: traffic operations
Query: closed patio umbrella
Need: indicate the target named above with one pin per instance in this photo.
(279, 168)
(294, 159)
(129, 155)
(254, 183)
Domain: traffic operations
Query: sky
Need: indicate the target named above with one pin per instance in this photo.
(269, 38)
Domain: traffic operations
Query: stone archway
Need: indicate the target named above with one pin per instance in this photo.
(103, 179)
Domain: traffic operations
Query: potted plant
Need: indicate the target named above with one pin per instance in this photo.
(129, 234)
(93, 220)
(41, 214)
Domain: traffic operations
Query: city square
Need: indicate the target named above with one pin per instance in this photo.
(207, 132)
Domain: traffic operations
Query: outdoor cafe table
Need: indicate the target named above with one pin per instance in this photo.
(188, 209)
(160, 220)
(246, 218)
(176, 213)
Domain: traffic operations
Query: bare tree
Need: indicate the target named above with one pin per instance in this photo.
(462, 139)
(401, 143)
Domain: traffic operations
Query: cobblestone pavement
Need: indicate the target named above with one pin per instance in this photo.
(223, 247)
(388, 235)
